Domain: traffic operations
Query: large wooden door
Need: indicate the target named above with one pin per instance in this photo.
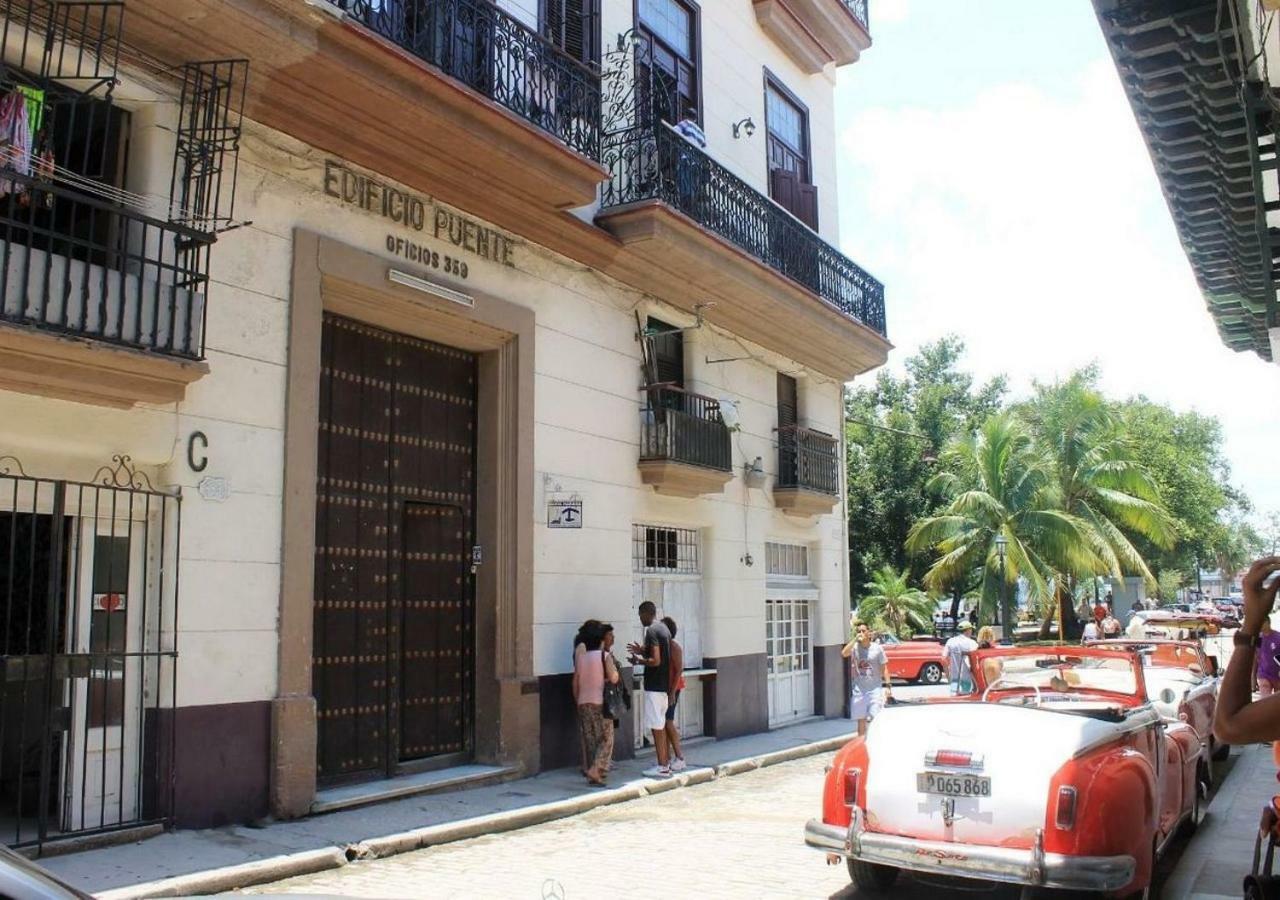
(394, 648)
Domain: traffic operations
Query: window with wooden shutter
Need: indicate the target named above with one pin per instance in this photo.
(573, 26)
(788, 401)
(667, 61)
(668, 352)
(787, 145)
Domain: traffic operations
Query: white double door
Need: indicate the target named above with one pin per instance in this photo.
(790, 659)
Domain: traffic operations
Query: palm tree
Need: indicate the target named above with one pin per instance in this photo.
(892, 603)
(1000, 488)
(1098, 479)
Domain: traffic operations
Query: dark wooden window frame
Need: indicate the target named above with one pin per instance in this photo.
(695, 60)
(773, 83)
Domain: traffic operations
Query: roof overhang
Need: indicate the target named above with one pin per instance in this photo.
(1209, 129)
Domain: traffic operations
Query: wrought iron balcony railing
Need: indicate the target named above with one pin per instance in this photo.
(859, 10)
(78, 265)
(648, 163)
(808, 460)
(495, 54)
(684, 427)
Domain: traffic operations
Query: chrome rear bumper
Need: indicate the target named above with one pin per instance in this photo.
(1033, 867)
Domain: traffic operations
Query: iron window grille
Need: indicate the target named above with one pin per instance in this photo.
(497, 56)
(790, 560)
(79, 254)
(660, 549)
(88, 654)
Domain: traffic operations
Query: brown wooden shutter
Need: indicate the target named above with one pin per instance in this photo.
(788, 401)
(668, 353)
(807, 204)
(784, 188)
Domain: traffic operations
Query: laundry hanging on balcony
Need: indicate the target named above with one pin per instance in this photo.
(15, 140)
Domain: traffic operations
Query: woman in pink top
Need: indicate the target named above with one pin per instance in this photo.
(591, 667)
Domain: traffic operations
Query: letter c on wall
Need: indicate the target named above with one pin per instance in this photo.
(203, 463)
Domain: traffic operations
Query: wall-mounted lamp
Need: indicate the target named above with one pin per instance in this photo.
(754, 472)
(748, 560)
(744, 126)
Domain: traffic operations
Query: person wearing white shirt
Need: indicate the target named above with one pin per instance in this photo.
(957, 659)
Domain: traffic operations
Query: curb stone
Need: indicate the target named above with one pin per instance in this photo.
(277, 868)
(231, 877)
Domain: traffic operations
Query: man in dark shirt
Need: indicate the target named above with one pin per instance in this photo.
(655, 654)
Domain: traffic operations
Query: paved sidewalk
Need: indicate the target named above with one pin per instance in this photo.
(1215, 861)
(325, 841)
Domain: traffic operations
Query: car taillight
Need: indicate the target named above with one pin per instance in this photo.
(1066, 816)
(852, 778)
(958, 758)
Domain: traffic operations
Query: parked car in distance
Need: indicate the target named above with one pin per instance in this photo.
(919, 659)
(19, 877)
(1182, 684)
(1056, 772)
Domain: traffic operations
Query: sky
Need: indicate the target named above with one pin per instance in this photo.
(993, 177)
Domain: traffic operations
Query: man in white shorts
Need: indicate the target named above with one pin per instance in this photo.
(868, 677)
(655, 654)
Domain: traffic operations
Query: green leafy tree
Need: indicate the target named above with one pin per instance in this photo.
(1183, 454)
(999, 487)
(1099, 481)
(1168, 583)
(896, 429)
(892, 604)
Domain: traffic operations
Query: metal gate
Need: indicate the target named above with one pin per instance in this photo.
(88, 607)
(394, 643)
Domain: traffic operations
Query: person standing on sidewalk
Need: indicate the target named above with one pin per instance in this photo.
(655, 654)
(957, 652)
(591, 669)
(673, 696)
(1268, 671)
(868, 676)
(1240, 719)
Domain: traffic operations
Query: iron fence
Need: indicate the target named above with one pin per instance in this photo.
(681, 426)
(860, 12)
(73, 263)
(500, 57)
(809, 460)
(88, 613)
(656, 163)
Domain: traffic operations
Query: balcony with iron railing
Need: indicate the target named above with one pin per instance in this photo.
(808, 480)
(685, 448)
(79, 272)
(656, 167)
(496, 55)
(817, 33)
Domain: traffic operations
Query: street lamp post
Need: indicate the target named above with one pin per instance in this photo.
(1001, 541)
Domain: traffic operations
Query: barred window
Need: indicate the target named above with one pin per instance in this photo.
(659, 548)
(786, 559)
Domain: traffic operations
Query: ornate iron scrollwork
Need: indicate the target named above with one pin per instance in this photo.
(122, 473)
(7, 469)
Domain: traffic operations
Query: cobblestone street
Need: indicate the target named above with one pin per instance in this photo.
(735, 837)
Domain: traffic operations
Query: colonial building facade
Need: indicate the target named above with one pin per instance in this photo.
(353, 353)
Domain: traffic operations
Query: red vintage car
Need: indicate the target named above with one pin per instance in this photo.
(1055, 772)
(917, 660)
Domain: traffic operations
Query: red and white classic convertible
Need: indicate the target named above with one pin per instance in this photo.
(1056, 772)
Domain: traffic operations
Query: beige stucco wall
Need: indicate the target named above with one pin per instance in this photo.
(586, 404)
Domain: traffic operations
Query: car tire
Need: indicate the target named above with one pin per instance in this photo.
(930, 673)
(1219, 751)
(870, 877)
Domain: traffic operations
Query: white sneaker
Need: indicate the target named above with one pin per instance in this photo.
(677, 765)
(658, 772)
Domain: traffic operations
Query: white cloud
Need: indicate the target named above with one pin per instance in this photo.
(1032, 225)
